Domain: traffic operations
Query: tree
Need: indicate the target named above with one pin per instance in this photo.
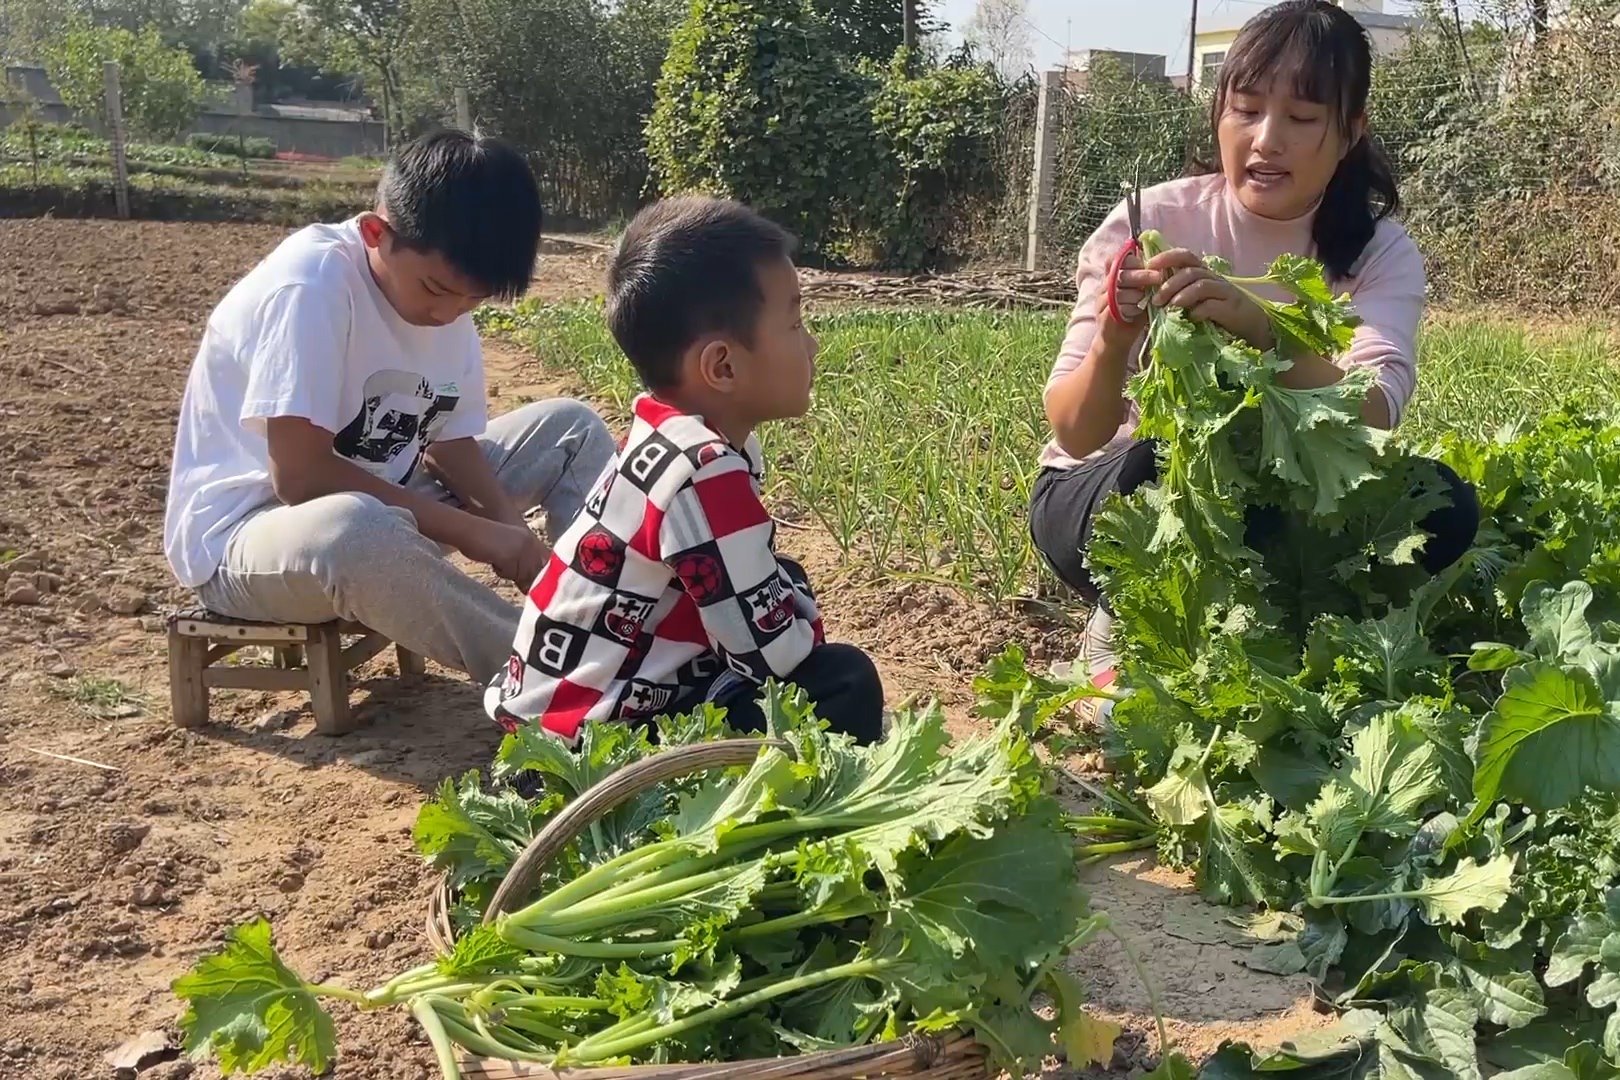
(369, 36)
(271, 35)
(999, 32)
(162, 92)
(570, 81)
(25, 26)
(755, 104)
(869, 28)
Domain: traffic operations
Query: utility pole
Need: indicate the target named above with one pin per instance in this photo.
(908, 23)
(1192, 45)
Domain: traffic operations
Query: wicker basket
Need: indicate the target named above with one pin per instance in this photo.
(950, 1057)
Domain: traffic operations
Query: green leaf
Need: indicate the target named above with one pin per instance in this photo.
(1342, 1050)
(1437, 1024)
(1386, 659)
(1493, 656)
(1009, 688)
(1578, 947)
(1391, 772)
(480, 951)
(1505, 993)
(1472, 886)
(248, 1009)
(1315, 441)
(631, 993)
(1557, 621)
(989, 897)
(1550, 736)
(1551, 1041)
(1236, 864)
(470, 832)
(1085, 1039)
(1181, 798)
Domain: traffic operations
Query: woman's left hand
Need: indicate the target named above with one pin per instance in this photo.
(1208, 297)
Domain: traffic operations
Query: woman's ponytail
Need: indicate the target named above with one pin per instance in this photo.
(1361, 194)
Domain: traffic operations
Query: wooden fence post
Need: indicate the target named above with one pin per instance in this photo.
(115, 133)
(1043, 176)
(463, 110)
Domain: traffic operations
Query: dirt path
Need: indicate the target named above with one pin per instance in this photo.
(115, 876)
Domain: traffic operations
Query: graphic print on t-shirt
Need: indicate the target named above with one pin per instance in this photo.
(400, 416)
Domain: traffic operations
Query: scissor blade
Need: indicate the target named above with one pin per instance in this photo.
(1133, 211)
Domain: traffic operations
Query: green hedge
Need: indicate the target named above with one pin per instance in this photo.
(233, 145)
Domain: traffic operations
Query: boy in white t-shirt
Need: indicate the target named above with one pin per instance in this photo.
(333, 441)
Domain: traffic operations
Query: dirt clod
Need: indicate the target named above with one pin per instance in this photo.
(21, 593)
(123, 600)
(149, 895)
(124, 837)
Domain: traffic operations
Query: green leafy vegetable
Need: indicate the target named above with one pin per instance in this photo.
(248, 1010)
(822, 896)
(1421, 771)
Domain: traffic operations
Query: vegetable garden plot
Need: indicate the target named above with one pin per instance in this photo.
(1419, 778)
(1253, 739)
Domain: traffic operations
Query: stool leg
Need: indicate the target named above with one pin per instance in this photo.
(188, 694)
(328, 681)
(411, 666)
(289, 657)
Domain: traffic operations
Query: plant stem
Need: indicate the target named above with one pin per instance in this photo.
(1316, 900)
(1104, 823)
(1118, 847)
(786, 923)
(594, 950)
(478, 1044)
(1087, 931)
(342, 993)
(422, 1008)
(1147, 984)
(594, 1049)
(598, 912)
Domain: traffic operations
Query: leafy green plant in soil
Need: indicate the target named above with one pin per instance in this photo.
(827, 896)
(1424, 772)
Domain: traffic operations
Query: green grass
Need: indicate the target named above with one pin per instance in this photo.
(1478, 373)
(920, 447)
(99, 697)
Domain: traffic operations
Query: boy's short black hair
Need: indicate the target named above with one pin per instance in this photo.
(685, 267)
(470, 198)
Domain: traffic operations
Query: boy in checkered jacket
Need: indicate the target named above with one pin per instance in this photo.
(667, 590)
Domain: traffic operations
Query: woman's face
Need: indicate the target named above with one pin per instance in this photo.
(1279, 151)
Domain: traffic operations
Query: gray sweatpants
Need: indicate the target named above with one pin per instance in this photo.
(352, 556)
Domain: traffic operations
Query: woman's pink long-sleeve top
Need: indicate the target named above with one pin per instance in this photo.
(1200, 214)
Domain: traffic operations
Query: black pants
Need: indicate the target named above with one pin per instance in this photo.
(1065, 503)
(840, 679)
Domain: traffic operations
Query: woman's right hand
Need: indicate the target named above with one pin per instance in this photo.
(1131, 296)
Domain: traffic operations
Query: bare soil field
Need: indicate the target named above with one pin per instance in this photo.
(119, 868)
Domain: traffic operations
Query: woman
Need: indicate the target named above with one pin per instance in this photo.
(1297, 174)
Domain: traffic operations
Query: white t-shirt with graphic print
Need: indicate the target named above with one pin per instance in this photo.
(307, 333)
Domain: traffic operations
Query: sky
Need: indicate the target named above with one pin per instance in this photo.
(1151, 26)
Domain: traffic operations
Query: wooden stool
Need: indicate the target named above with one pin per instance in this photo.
(307, 657)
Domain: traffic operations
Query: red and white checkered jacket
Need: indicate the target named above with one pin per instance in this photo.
(665, 590)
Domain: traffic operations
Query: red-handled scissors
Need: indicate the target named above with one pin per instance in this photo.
(1133, 214)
